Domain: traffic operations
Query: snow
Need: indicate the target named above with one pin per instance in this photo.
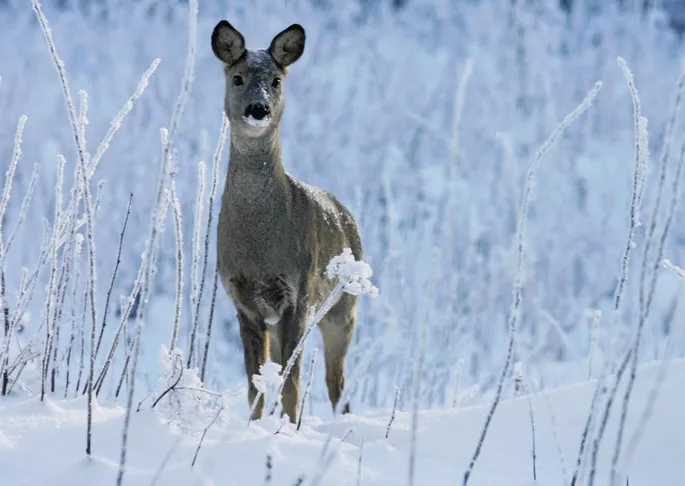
(235, 454)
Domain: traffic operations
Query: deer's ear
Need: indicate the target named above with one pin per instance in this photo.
(288, 46)
(227, 43)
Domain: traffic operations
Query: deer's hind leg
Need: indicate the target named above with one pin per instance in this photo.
(337, 328)
(256, 348)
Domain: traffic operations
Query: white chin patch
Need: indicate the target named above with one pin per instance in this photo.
(253, 122)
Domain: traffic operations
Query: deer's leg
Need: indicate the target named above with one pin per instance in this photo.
(337, 329)
(256, 348)
(293, 323)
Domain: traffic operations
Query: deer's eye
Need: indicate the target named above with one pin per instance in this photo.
(237, 80)
(276, 83)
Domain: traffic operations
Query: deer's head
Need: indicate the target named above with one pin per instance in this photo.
(254, 78)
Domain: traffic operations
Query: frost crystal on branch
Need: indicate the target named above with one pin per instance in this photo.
(354, 275)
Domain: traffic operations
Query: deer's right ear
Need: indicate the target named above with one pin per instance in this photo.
(227, 43)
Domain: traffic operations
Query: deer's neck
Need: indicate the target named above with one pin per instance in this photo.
(255, 171)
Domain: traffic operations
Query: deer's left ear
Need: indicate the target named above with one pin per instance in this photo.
(288, 46)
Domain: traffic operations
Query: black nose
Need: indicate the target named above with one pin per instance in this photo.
(258, 111)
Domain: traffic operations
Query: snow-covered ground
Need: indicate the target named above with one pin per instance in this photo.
(43, 444)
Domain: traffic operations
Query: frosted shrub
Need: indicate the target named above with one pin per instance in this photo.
(182, 400)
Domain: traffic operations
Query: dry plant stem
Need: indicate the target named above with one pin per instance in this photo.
(586, 434)
(209, 324)
(129, 401)
(122, 323)
(179, 265)
(22, 212)
(204, 433)
(638, 187)
(173, 385)
(73, 329)
(359, 467)
(312, 320)
(194, 273)
(165, 461)
(80, 147)
(312, 365)
(644, 314)
(210, 213)
(518, 281)
(49, 325)
(119, 118)
(668, 141)
(636, 197)
(186, 84)
(658, 382)
(114, 274)
(4, 304)
(415, 403)
(394, 410)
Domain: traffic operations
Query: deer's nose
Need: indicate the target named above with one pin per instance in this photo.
(258, 111)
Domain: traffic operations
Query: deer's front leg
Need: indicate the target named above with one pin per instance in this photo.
(293, 323)
(256, 349)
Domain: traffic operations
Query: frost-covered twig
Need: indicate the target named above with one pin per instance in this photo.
(518, 281)
(586, 433)
(49, 323)
(119, 118)
(661, 375)
(176, 205)
(204, 433)
(359, 466)
(4, 304)
(353, 278)
(173, 385)
(394, 410)
(195, 270)
(129, 401)
(678, 271)
(312, 365)
(81, 149)
(668, 141)
(114, 274)
(644, 312)
(209, 323)
(152, 241)
(210, 213)
(22, 212)
(639, 175)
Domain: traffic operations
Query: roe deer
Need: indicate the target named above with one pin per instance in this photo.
(276, 234)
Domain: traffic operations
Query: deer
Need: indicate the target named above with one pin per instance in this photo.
(276, 234)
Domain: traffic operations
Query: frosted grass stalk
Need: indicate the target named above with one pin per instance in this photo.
(514, 314)
(668, 141)
(4, 201)
(210, 213)
(114, 274)
(209, 323)
(661, 376)
(176, 205)
(119, 118)
(186, 84)
(644, 312)
(313, 318)
(394, 410)
(49, 324)
(639, 174)
(195, 269)
(22, 211)
(310, 376)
